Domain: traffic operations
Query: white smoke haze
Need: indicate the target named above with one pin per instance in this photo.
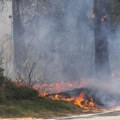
(64, 39)
(114, 48)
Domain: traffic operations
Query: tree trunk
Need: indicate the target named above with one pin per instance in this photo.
(18, 31)
(101, 23)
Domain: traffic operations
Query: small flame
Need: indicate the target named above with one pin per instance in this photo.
(84, 103)
(79, 101)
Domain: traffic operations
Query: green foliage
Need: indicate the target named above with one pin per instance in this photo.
(25, 93)
(40, 108)
(9, 90)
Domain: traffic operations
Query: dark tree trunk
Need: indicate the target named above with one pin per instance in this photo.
(101, 27)
(18, 31)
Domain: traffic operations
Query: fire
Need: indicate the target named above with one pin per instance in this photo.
(84, 103)
(59, 97)
(81, 101)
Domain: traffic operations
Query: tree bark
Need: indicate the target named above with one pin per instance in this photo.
(101, 25)
(18, 31)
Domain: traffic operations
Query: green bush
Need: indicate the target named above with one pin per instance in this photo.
(9, 90)
(19, 93)
(25, 93)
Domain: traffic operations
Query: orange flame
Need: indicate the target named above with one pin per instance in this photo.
(81, 101)
(84, 103)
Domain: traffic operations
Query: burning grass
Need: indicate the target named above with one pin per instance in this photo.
(88, 99)
(82, 99)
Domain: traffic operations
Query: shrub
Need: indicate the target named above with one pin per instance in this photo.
(9, 90)
(25, 93)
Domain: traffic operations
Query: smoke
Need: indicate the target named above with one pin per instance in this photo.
(61, 34)
(114, 49)
(60, 43)
(63, 38)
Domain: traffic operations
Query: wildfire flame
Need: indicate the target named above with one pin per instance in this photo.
(80, 101)
(84, 103)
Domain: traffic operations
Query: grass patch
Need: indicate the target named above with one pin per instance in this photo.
(39, 108)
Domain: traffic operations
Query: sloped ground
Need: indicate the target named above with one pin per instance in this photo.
(37, 108)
